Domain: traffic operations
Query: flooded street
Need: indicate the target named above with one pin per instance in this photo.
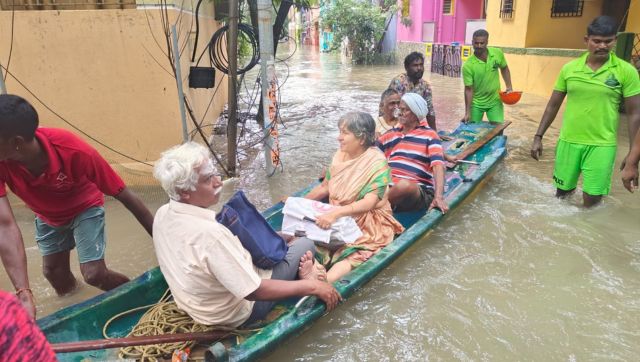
(511, 274)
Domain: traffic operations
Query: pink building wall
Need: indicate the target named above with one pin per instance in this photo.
(448, 28)
(311, 31)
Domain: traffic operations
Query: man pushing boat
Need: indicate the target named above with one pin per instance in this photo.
(210, 274)
(63, 180)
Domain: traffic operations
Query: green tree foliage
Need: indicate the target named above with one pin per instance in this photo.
(360, 22)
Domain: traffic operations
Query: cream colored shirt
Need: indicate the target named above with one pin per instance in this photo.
(208, 270)
(382, 126)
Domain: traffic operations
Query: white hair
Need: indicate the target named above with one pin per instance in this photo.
(179, 168)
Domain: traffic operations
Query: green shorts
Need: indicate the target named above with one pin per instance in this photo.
(495, 113)
(594, 162)
(86, 231)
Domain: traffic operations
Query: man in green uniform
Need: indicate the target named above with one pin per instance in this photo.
(481, 81)
(595, 85)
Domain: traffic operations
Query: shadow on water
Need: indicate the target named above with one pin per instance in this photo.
(512, 274)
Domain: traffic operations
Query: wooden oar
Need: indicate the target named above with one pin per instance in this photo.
(136, 341)
(481, 142)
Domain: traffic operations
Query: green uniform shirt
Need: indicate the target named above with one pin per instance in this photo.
(483, 77)
(593, 99)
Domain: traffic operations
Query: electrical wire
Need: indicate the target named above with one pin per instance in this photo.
(153, 36)
(212, 97)
(218, 51)
(289, 40)
(217, 55)
(13, 17)
(171, 57)
(248, 137)
(195, 42)
(156, 60)
(277, 122)
(71, 124)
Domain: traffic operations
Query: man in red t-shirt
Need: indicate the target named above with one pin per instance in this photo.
(63, 180)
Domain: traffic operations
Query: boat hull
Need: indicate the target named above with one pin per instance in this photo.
(84, 321)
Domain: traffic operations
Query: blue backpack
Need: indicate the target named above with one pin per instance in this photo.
(266, 247)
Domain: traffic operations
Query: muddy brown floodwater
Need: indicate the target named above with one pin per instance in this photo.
(511, 274)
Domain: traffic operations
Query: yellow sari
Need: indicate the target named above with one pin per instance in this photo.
(348, 182)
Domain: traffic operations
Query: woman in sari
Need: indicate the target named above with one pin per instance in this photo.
(357, 183)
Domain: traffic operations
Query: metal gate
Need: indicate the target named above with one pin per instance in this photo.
(446, 60)
(437, 59)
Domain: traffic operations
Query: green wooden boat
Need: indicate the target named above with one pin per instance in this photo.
(84, 321)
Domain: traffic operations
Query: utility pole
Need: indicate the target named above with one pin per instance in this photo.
(268, 79)
(278, 25)
(176, 65)
(232, 53)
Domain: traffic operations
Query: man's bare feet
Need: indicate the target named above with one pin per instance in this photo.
(310, 269)
(321, 271)
(305, 270)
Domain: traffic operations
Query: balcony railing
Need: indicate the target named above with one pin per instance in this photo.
(66, 4)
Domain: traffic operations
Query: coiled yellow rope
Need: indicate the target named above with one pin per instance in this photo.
(163, 317)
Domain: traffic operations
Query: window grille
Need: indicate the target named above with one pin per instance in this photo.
(506, 9)
(635, 53)
(447, 7)
(566, 8)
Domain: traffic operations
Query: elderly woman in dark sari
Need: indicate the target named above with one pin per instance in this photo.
(356, 183)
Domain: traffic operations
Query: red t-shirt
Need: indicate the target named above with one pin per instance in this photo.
(20, 337)
(75, 179)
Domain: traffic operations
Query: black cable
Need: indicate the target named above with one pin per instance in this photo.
(253, 96)
(280, 85)
(294, 49)
(185, 42)
(217, 48)
(71, 124)
(211, 100)
(195, 42)
(156, 60)
(152, 32)
(204, 138)
(217, 54)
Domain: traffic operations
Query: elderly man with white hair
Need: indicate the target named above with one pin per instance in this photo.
(209, 272)
(416, 159)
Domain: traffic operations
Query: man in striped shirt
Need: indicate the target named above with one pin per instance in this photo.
(416, 159)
